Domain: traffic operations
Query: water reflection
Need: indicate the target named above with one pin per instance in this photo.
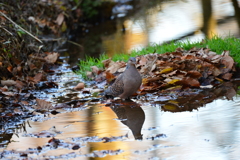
(131, 114)
(156, 22)
(190, 100)
(207, 133)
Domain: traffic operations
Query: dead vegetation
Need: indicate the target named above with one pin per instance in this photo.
(196, 68)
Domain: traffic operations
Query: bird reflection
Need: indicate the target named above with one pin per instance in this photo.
(131, 114)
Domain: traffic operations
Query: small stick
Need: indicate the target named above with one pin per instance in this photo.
(75, 44)
(6, 30)
(20, 27)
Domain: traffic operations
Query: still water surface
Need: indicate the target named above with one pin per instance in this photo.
(163, 22)
(212, 132)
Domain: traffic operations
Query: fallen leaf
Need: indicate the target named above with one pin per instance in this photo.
(191, 82)
(8, 82)
(43, 105)
(114, 67)
(18, 111)
(107, 62)
(228, 62)
(60, 19)
(109, 76)
(38, 77)
(188, 57)
(166, 70)
(89, 75)
(194, 74)
(51, 57)
(4, 89)
(24, 102)
(227, 76)
(144, 81)
(143, 60)
(173, 81)
(8, 93)
(80, 86)
(19, 84)
(95, 69)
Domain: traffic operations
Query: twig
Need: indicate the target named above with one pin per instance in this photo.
(20, 27)
(53, 39)
(75, 44)
(6, 30)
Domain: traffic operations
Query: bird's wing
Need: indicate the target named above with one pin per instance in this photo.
(116, 88)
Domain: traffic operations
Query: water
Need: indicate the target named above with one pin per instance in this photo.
(212, 132)
(113, 131)
(162, 22)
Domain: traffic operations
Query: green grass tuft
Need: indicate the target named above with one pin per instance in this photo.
(216, 44)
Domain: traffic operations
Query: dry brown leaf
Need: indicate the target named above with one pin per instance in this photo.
(60, 19)
(89, 75)
(216, 72)
(19, 84)
(109, 76)
(8, 82)
(114, 67)
(38, 77)
(189, 57)
(177, 54)
(80, 86)
(227, 76)
(120, 70)
(10, 68)
(4, 89)
(194, 74)
(143, 61)
(215, 58)
(52, 57)
(24, 102)
(225, 53)
(107, 62)
(43, 105)
(8, 93)
(191, 82)
(95, 69)
(228, 62)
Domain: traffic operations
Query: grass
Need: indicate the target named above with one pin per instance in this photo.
(216, 44)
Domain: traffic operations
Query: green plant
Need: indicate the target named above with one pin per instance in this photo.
(89, 7)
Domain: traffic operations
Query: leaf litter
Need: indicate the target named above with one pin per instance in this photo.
(176, 72)
(192, 77)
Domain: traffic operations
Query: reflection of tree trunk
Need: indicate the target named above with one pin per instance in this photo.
(237, 12)
(209, 22)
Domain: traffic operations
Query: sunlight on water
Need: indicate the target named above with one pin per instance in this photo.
(170, 21)
(212, 132)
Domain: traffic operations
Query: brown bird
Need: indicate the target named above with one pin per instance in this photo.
(127, 83)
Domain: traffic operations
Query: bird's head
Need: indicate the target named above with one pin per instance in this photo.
(132, 61)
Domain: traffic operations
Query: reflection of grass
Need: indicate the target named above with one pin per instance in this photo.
(216, 44)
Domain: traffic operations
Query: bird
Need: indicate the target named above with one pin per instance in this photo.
(126, 83)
